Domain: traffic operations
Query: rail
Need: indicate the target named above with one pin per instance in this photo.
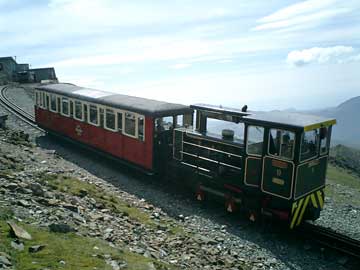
(17, 110)
(331, 239)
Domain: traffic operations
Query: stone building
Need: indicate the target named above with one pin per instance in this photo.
(43, 74)
(8, 68)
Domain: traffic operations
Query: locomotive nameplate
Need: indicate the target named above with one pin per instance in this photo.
(278, 181)
(279, 164)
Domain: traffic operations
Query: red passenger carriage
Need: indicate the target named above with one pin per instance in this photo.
(126, 127)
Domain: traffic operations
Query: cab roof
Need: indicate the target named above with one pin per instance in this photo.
(292, 120)
(144, 106)
(281, 119)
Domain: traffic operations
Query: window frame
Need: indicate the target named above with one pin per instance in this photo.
(115, 119)
(247, 140)
(293, 149)
(137, 127)
(136, 123)
(317, 147)
(50, 101)
(89, 104)
(62, 104)
(82, 110)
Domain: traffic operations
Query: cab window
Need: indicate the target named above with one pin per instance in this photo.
(324, 140)
(309, 145)
(255, 140)
(281, 143)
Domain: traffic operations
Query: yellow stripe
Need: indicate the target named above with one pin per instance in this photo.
(321, 201)
(293, 207)
(319, 125)
(313, 200)
(296, 213)
(303, 210)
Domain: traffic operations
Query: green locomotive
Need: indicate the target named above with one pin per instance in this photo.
(276, 167)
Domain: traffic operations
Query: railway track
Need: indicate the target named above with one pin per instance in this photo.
(323, 236)
(17, 110)
(331, 239)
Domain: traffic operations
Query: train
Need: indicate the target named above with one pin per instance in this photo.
(265, 164)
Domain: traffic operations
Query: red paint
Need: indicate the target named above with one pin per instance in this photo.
(115, 143)
(233, 188)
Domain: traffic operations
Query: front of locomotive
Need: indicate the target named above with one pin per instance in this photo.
(310, 175)
(294, 164)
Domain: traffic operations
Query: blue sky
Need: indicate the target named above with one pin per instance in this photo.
(267, 54)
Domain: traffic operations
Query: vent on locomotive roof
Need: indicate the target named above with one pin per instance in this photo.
(227, 134)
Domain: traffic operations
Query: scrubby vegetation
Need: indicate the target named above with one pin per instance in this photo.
(346, 158)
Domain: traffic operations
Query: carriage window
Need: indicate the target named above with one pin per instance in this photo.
(255, 140)
(53, 104)
(324, 140)
(141, 128)
(110, 119)
(47, 103)
(119, 121)
(37, 101)
(281, 143)
(78, 110)
(93, 114)
(41, 100)
(164, 123)
(71, 108)
(309, 145)
(130, 124)
(65, 106)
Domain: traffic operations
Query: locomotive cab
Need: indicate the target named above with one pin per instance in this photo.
(271, 163)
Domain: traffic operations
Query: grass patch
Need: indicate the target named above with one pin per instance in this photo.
(336, 175)
(341, 176)
(76, 251)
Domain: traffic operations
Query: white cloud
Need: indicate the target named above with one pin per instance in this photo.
(180, 66)
(302, 15)
(319, 55)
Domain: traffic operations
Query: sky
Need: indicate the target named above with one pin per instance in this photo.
(266, 54)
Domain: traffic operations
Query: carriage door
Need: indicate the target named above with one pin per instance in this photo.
(254, 152)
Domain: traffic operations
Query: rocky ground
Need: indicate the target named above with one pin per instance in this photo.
(47, 183)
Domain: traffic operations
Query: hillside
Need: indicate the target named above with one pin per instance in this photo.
(347, 129)
(346, 158)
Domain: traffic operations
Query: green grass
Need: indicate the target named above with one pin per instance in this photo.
(75, 186)
(77, 251)
(341, 176)
(337, 175)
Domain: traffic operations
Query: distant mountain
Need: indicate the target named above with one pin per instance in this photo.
(347, 129)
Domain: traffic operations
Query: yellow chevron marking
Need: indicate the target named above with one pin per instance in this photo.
(296, 213)
(293, 207)
(303, 210)
(321, 201)
(313, 200)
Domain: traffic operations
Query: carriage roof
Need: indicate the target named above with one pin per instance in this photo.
(131, 103)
